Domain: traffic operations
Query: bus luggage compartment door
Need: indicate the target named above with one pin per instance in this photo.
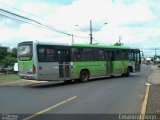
(48, 71)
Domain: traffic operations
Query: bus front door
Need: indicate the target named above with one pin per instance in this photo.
(137, 62)
(64, 64)
(109, 66)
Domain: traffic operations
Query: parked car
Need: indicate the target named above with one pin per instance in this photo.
(0, 68)
(3, 70)
(10, 68)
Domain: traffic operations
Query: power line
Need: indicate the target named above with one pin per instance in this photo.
(22, 21)
(5, 16)
(11, 13)
(34, 22)
(21, 11)
(16, 9)
(39, 23)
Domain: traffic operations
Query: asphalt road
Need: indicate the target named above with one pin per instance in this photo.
(119, 95)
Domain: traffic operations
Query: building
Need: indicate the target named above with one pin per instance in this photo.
(4, 49)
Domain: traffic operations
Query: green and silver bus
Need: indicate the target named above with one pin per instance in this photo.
(65, 62)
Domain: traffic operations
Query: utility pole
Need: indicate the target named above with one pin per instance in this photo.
(72, 39)
(120, 39)
(91, 35)
(155, 52)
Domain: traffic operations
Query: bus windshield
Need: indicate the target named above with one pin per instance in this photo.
(25, 52)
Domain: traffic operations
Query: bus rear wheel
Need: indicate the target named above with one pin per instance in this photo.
(84, 76)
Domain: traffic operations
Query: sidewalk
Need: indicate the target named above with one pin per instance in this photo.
(154, 77)
(153, 104)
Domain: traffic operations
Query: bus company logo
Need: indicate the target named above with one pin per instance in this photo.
(9, 117)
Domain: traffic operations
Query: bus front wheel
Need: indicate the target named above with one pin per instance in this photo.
(84, 76)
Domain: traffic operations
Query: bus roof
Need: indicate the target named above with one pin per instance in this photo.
(79, 45)
(100, 46)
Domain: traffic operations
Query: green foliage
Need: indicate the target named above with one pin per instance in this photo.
(3, 53)
(8, 58)
(14, 52)
(118, 44)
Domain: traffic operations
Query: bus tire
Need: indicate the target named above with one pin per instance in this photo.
(84, 76)
(128, 72)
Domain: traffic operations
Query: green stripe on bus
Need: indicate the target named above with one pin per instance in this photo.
(25, 64)
(100, 46)
(98, 67)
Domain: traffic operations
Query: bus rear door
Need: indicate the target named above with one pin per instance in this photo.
(109, 66)
(137, 61)
(64, 64)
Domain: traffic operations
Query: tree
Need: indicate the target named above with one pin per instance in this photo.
(118, 44)
(3, 53)
(14, 52)
(8, 58)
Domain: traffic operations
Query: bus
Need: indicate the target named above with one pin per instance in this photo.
(66, 62)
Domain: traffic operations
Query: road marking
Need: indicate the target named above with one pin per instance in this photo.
(144, 105)
(49, 108)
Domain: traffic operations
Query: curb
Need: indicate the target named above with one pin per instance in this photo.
(153, 77)
(153, 100)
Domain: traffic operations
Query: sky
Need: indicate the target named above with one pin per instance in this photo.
(135, 22)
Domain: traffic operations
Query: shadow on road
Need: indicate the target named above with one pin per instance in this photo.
(62, 83)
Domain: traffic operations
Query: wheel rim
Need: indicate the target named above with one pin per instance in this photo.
(84, 76)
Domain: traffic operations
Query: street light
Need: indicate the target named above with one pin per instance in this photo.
(155, 52)
(91, 34)
(101, 27)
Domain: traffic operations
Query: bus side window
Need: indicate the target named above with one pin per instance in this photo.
(75, 54)
(46, 54)
(66, 56)
(86, 54)
(63, 55)
(125, 55)
(118, 55)
(60, 55)
(41, 54)
(95, 54)
(137, 56)
(131, 56)
(109, 55)
(50, 54)
(100, 55)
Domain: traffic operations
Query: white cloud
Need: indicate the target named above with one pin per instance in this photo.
(81, 11)
(65, 17)
(137, 12)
